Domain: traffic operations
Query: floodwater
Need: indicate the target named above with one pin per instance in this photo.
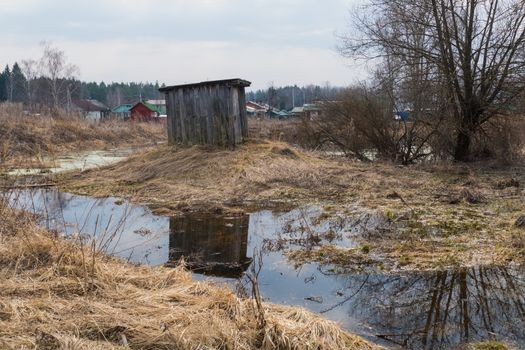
(437, 310)
(79, 161)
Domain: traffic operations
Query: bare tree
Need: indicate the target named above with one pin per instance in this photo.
(473, 50)
(30, 70)
(362, 124)
(58, 71)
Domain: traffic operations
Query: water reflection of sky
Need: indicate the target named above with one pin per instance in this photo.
(81, 161)
(416, 310)
(124, 230)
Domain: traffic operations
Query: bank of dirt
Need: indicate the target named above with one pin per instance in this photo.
(431, 216)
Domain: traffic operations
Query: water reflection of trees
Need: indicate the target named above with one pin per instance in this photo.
(443, 309)
(49, 205)
(85, 217)
(306, 228)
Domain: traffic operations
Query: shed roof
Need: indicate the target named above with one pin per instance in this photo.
(124, 108)
(157, 102)
(90, 105)
(255, 106)
(230, 82)
(277, 113)
(311, 107)
(149, 106)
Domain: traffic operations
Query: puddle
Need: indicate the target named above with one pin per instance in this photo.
(81, 161)
(211, 245)
(437, 310)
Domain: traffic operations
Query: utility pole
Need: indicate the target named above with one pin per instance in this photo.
(293, 96)
(68, 98)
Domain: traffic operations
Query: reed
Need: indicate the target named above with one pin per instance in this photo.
(58, 294)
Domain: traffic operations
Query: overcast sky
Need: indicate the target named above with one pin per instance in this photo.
(178, 41)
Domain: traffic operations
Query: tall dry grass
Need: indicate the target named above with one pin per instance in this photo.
(24, 133)
(287, 130)
(198, 177)
(57, 294)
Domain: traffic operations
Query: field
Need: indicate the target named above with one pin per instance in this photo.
(431, 216)
(119, 305)
(28, 137)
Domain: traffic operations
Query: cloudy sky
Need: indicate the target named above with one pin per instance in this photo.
(178, 41)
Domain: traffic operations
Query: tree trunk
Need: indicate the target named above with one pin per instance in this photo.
(462, 149)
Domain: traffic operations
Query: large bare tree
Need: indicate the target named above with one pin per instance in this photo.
(30, 70)
(472, 51)
(58, 72)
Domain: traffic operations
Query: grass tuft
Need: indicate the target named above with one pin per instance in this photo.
(56, 294)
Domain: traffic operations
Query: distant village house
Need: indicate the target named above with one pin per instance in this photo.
(308, 110)
(259, 110)
(91, 109)
(122, 111)
(256, 110)
(160, 105)
(144, 112)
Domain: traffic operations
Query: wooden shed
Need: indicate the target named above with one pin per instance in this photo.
(210, 113)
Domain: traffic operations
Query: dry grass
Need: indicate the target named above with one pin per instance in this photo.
(200, 178)
(448, 214)
(489, 345)
(24, 135)
(55, 294)
(295, 130)
(275, 129)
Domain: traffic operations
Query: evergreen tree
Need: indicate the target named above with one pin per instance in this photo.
(3, 84)
(6, 85)
(19, 82)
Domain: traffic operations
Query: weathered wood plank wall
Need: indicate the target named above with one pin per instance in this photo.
(211, 113)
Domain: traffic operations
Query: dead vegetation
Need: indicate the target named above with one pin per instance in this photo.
(440, 215)
(198, 178)
(56, 294)
(271, 129)
(24, 134)
(297, 131)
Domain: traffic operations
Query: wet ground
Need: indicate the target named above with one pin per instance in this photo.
(437, 310)
(81, 161)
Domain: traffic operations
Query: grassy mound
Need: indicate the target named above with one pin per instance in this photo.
(201, 178)
(57, 294)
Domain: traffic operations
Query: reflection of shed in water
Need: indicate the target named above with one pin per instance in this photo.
(214, 245)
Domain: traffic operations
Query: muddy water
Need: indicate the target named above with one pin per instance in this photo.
(438, 310)
(79, 161)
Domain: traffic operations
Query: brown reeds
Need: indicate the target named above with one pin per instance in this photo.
(56, 294)
(201, 178)
(25, 133)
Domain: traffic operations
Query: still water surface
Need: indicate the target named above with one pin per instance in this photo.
(77, 161)
(437, 310)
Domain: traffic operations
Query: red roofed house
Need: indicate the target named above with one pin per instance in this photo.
(144, 112)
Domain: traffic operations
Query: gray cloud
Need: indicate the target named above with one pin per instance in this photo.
(285, 41)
